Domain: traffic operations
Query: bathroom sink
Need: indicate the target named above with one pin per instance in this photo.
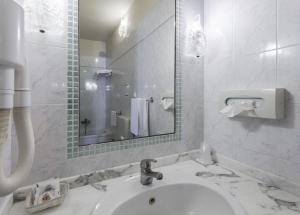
(177, 199)
(173, 196)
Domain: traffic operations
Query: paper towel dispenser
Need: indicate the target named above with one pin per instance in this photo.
(258, 103)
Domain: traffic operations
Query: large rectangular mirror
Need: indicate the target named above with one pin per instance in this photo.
(127, 69)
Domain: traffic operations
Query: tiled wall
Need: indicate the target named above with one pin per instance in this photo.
(47, 61)
(251, 44)
(254, 44)
(143, 66)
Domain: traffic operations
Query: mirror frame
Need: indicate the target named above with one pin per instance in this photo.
(75, 150)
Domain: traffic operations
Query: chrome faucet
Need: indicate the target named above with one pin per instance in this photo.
(147, 174)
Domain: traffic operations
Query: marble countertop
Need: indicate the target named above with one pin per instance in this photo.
(256, 197)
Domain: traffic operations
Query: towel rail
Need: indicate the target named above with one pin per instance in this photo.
(150, 100)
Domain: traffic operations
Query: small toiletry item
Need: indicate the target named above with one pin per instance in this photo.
(51, 191)
(36, 192)
(206, 156)
(45, 195)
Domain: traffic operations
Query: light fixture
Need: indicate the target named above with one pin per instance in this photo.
(195, 38)
(123, 27)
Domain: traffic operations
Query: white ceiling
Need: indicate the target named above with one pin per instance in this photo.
(99, 18)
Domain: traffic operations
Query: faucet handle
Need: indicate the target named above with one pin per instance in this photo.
(146, 163)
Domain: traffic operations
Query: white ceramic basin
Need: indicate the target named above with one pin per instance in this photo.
(175, 195)
(177, 199)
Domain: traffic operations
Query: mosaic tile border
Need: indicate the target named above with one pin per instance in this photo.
(73, 149)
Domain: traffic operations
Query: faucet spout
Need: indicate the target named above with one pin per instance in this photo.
(147, 174)
(157, 175)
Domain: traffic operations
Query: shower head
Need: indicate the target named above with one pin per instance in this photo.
(103, 73)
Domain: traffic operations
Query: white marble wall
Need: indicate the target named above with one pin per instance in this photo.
(192, 78)
(254, 44)
(251, 44)
(47, 62)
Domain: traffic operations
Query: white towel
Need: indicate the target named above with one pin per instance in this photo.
(113, 118)
(139, 117)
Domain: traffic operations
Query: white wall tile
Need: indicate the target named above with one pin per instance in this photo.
(254, 71)
(48, 70)
(218, 77)
(255, 26)
(192, 101)
(255, 62)
(288, 75)
(219, 28)
(276, 138)
(219, 131)
(267, 163)
(50, 16)
(50, 132)
(288, 22)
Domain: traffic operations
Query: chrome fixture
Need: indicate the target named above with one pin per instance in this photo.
(147, 174)
(167, 97)
(150, 100)
(85, 122)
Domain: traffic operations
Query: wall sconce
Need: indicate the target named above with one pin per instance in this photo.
(195, 38)
(123, 27)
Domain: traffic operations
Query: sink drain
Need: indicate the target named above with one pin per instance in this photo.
(151, 201)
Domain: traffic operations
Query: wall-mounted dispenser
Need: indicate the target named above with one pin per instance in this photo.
(167, 103)
(14, 94)
(258, 103)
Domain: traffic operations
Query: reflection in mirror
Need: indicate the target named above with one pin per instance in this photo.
(127, 69)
